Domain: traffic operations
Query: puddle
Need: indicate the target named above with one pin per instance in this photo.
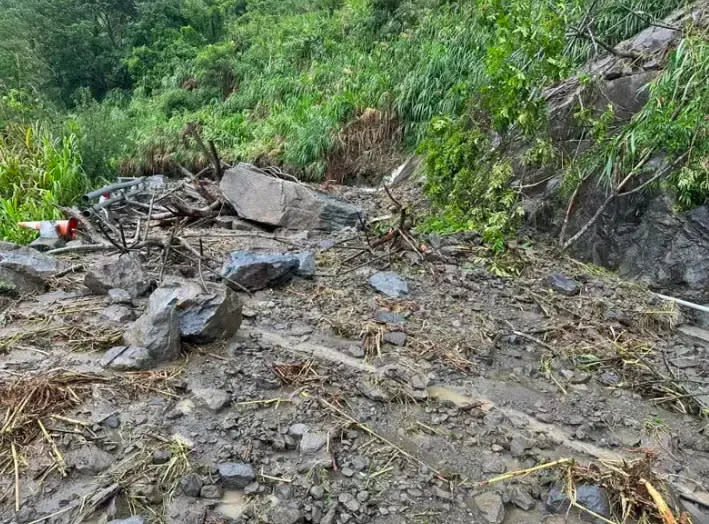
(232, 505)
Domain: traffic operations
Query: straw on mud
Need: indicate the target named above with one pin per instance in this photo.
(525, 472)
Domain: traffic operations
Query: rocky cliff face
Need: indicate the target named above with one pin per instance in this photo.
(641, 236)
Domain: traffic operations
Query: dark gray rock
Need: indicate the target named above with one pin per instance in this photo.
(118, 314)
(19, 283)
(317, 492)
(257, 271)
(589, 496)
(281, 203)
(372, 391)
(131, 520)
(390, 284)
(118, 271)
(298, 430)
(27, 260)
(491, 507)
(307, 266)
(157, 330)
(521, 498)
(563, 284)
(191, 485)
(236, 475)
(349, 502)
(204, 316)
(285, 514)
(397, 338)
(127, 358)
(388, 317)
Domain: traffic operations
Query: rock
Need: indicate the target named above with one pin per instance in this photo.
(564, 285)
(317, 492)
(236, 475)
(521, 498)
(43, 244)
(203, 317)
(590, 496)
(388, 317)
(112, 421)
(298, 430)
(491, 507)
(157, 330)
(131, 520)
(355, 350)
(372, 391)
(162, 456)
(118, 271)
(257, 271)
(285, 514)
(211, 492)
(89, 459)
(215, 399)
(127, 358)
(312, 442)
(390, 284)
(186, 510)
(519, 445)
(118, 314)
(349, 502)
(119, 296)
(307, 266)
(191, 485)
(331, 514)
(494, 464)
(23, 270)
(281, 203)
(396, 338)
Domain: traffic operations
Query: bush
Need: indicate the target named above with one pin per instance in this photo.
(38, 173)
(468, 183)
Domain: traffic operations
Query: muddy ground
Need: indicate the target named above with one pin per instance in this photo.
(350, 406)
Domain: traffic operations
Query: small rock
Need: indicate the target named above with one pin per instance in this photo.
(312, 442)
(442, 493)
(519, 446)
(131, 520)
(609, 378)
(125, 358)
(331, 514)
(347, 472)
(161, 456)
(252, 489)
(211, 492)
(388, 317)
(112, 421)
(119, 296)
(372, 391)
(191, 485)
(317, 492)
(298, 430)
(564, 285)
(89, 459)
(521, 498)
(118, 314)
(396, 338)
(214, 399)
(355, 351)
(390, 284)
(349, 502)
(236, 475)
(494, 464)
(491, 507)
(359, 463)
(285, 514)
(363, 496)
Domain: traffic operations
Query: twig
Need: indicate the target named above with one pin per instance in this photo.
(15, 462)
(531, 338)
(525, 472)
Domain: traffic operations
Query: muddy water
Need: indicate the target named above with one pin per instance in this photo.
(232, 505)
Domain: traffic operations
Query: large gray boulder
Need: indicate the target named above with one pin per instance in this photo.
(117, 271)
(204, 316)
(157, 330)
(257, 271)
(280, 203)
(24, 270)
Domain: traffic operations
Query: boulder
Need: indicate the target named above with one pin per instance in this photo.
(390, 284)
(257, 271)
(306, 260)
(157, 330)
(118, 271)
(24, 270)
(204, 316)
(276, 202)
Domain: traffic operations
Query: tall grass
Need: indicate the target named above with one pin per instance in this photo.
(38, 173)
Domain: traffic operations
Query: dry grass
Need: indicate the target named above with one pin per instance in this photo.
(297, 373)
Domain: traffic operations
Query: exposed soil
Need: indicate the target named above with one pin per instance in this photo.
(354, 407)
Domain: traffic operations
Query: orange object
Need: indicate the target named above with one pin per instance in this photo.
(53, 228)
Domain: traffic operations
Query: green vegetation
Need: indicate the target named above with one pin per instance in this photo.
(329, 89)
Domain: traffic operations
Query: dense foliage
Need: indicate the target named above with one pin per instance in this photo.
(327, 88)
